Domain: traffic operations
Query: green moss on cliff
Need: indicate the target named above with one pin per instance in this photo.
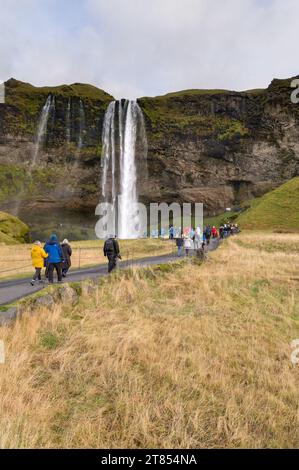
(165, 117)
(230, 128)
(12, 229)
(13, 178)
(191, 92)
(18, 184)
(24, 102)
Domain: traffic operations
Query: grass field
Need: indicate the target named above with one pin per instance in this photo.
(15, 260)
(185, 356)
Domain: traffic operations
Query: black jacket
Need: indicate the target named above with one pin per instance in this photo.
(179, 242)
(111, 247)
(67, 253)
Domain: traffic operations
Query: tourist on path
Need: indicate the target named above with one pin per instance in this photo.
(208, 232)
(67, 253)
(54, 250)
(179, 243)
(111, 250)
(187, 245)
(221, 231)
(171, 232)
(38, 256)
(197, 239)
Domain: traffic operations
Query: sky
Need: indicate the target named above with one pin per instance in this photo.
(134, 48)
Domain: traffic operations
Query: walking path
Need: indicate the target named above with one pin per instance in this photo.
(13, 290)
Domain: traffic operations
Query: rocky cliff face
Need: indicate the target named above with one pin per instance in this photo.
(221, 147)
(213, 146)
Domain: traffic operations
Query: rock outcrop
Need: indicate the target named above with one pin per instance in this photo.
(212, 146)
(12, 230)
(221, 147)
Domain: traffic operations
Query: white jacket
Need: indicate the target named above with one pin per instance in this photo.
(188, 243)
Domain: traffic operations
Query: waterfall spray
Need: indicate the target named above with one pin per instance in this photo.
(42, 128)
(81, 124)
(120, 176)
(68, 123)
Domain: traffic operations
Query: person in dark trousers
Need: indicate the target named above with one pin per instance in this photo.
(179, 243)
(46, 261)
(38, 256)
(111, 250)
(55, 253)
(221, 231)
(67, 253)
(208, 232)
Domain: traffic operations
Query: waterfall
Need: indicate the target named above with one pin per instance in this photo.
(124, 147)
(42, 128)
(128, 173)
(68, 123)
(81, 124)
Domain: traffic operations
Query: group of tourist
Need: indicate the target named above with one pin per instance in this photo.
(195, 239)
(53, 256)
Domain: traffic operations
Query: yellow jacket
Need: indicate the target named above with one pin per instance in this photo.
(38, 254)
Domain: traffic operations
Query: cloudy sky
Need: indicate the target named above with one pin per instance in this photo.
(134, 48)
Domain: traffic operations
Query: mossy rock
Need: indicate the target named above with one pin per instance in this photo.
(12, 229)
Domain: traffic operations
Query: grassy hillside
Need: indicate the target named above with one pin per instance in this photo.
(189, 356)
(276, 210)
(12, 229)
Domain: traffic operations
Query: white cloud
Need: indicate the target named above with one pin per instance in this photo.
(147, 47)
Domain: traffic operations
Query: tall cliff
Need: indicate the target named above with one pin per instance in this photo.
(221, 147)
(215, 146)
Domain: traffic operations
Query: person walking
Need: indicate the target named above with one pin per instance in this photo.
(111, 250)
(208, 232)
(67, 253)
(214, 232)
(38, 255)
(197, 239)
(171, 232)
(187, 245)
(179, 243)
(221, 231)
(54, 250)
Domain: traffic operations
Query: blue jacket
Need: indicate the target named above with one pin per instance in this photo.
(54, 250)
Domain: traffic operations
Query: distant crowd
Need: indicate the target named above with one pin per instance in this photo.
(193, 239)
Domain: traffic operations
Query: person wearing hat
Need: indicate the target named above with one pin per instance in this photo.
(55, 253)
(38, 255)
(111, 250)
(67, 253)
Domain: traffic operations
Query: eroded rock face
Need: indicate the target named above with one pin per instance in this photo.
(221, 147)
(216, 147)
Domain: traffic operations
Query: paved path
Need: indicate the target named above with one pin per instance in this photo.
(13, 290)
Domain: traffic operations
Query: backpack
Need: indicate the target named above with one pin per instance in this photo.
(109, 246)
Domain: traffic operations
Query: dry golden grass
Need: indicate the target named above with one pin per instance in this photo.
(194, 357)
(16, 259)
